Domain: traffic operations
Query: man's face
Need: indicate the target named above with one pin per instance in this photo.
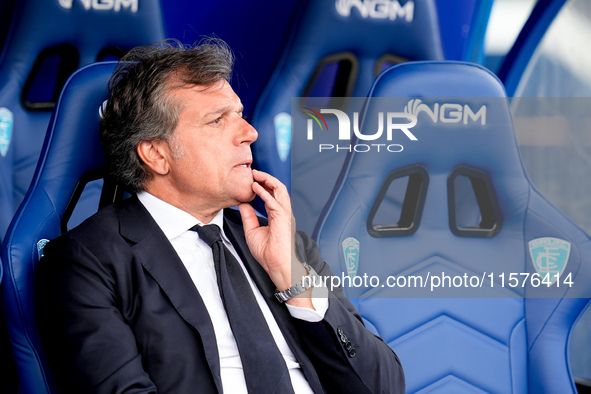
(214, 167)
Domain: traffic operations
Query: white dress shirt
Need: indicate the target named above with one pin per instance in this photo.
(197, 257)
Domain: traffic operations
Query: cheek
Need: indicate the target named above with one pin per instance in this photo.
(203, 162)
(190, 170)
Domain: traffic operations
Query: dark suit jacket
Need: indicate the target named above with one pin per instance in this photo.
(119, 313)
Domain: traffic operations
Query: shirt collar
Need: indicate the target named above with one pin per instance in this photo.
(174, 221)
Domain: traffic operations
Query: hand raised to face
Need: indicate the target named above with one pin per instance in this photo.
(273, 246)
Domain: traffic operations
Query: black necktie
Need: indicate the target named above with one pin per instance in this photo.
(264, 367)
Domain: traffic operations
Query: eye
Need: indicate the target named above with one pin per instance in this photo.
(217, 120)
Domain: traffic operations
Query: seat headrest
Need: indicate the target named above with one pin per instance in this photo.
(88, 25)
(408, 29)
(462, 120)
(456, 105)
(321, 29)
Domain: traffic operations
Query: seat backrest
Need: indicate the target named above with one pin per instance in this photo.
(456, 202)
(47, 41)
(335, 49)
(71, 152)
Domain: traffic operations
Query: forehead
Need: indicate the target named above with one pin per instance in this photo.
(203, 99)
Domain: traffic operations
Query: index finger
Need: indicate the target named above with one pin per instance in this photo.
(272, 185)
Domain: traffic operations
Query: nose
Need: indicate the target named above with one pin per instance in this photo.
(246, 133)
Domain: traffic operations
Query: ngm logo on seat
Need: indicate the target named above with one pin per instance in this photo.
(391, 122)
(103, 5)
(447, 112)
(377, 9)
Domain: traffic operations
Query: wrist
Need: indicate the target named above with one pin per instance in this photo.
(304, 281)
(288, 275)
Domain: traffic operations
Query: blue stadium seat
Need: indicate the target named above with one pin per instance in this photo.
(335, 49)
(47, 41)
(71, 155)
(457, 200)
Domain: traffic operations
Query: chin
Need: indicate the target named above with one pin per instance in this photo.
(248, 198)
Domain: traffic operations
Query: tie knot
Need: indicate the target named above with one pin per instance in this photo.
(210, 233)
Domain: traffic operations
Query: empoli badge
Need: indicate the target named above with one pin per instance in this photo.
(6, 122)
(40, 245)
(550, 257)
(282, 123)
(351, 253)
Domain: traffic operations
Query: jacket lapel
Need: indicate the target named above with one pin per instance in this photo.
(160, 260)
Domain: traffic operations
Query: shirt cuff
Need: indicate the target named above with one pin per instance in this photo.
(319, 301)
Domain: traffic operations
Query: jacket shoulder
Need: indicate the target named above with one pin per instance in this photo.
(106, 218)
(99, 230)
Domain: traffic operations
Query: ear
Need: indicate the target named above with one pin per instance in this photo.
(155, 154)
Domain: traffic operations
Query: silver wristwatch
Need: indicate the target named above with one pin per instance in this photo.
(297, 289)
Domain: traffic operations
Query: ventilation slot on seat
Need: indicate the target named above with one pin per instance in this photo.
(50, 72)
(399, 204)
(92, 184)
(334, 79)
(386, 61)
(473, 207)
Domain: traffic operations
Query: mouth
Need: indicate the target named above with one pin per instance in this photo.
(246, 164)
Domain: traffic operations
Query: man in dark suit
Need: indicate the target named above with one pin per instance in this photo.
(131, 301)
